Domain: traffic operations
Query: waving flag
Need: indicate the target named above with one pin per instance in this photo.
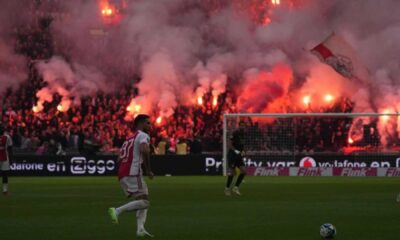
(337, 53)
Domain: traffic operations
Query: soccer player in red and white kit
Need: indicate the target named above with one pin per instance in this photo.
(134, 152)
(5, 155)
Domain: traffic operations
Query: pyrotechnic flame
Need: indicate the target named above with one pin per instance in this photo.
(328, 98)
(159, 120)
(133, 107)
(35, 109)
(307, 100)
(60, 108)
(107, 11)
(215, 101)
(200, 101)
(385, 118)
(276, 2)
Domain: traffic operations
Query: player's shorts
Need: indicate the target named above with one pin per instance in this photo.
(134, 186)
(235, 159)
(4, 165)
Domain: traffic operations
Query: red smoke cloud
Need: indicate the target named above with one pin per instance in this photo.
(262, 89)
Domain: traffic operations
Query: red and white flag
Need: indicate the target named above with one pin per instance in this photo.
(337, 53)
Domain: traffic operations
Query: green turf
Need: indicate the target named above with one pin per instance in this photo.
(194, 208)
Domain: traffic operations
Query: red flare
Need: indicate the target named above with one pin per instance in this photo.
(276, 2)
(328, 98)
(159, 120)
(215, 101)
(200, 101)
(133, 107)
(60, 108)
(385, 117)
(307, 100)
(107, 11)
(35, 109)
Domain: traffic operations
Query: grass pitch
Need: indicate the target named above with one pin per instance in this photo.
(194, 208)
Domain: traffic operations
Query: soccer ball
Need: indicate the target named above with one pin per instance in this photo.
(327, 231)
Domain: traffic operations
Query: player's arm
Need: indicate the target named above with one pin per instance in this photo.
(119, 156)
(145, 153)
(230, 144)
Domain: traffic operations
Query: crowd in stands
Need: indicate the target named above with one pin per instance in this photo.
(98, 125)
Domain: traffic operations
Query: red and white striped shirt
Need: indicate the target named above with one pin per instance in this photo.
(5, 142)
(130, 158)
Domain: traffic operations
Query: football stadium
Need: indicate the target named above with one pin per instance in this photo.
(199, 119)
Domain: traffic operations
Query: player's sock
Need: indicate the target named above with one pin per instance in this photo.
(133, 206)
(5, 181)
(5, 187)
(239, 180)
(229, 181)
(141, 216)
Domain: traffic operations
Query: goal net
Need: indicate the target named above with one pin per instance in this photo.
(346, 140)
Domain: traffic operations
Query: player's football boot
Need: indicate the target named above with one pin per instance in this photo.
(236, 191)
(113, 214)
(143, 233)
(227, 192)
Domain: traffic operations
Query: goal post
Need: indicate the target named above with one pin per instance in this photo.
(342, 138)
